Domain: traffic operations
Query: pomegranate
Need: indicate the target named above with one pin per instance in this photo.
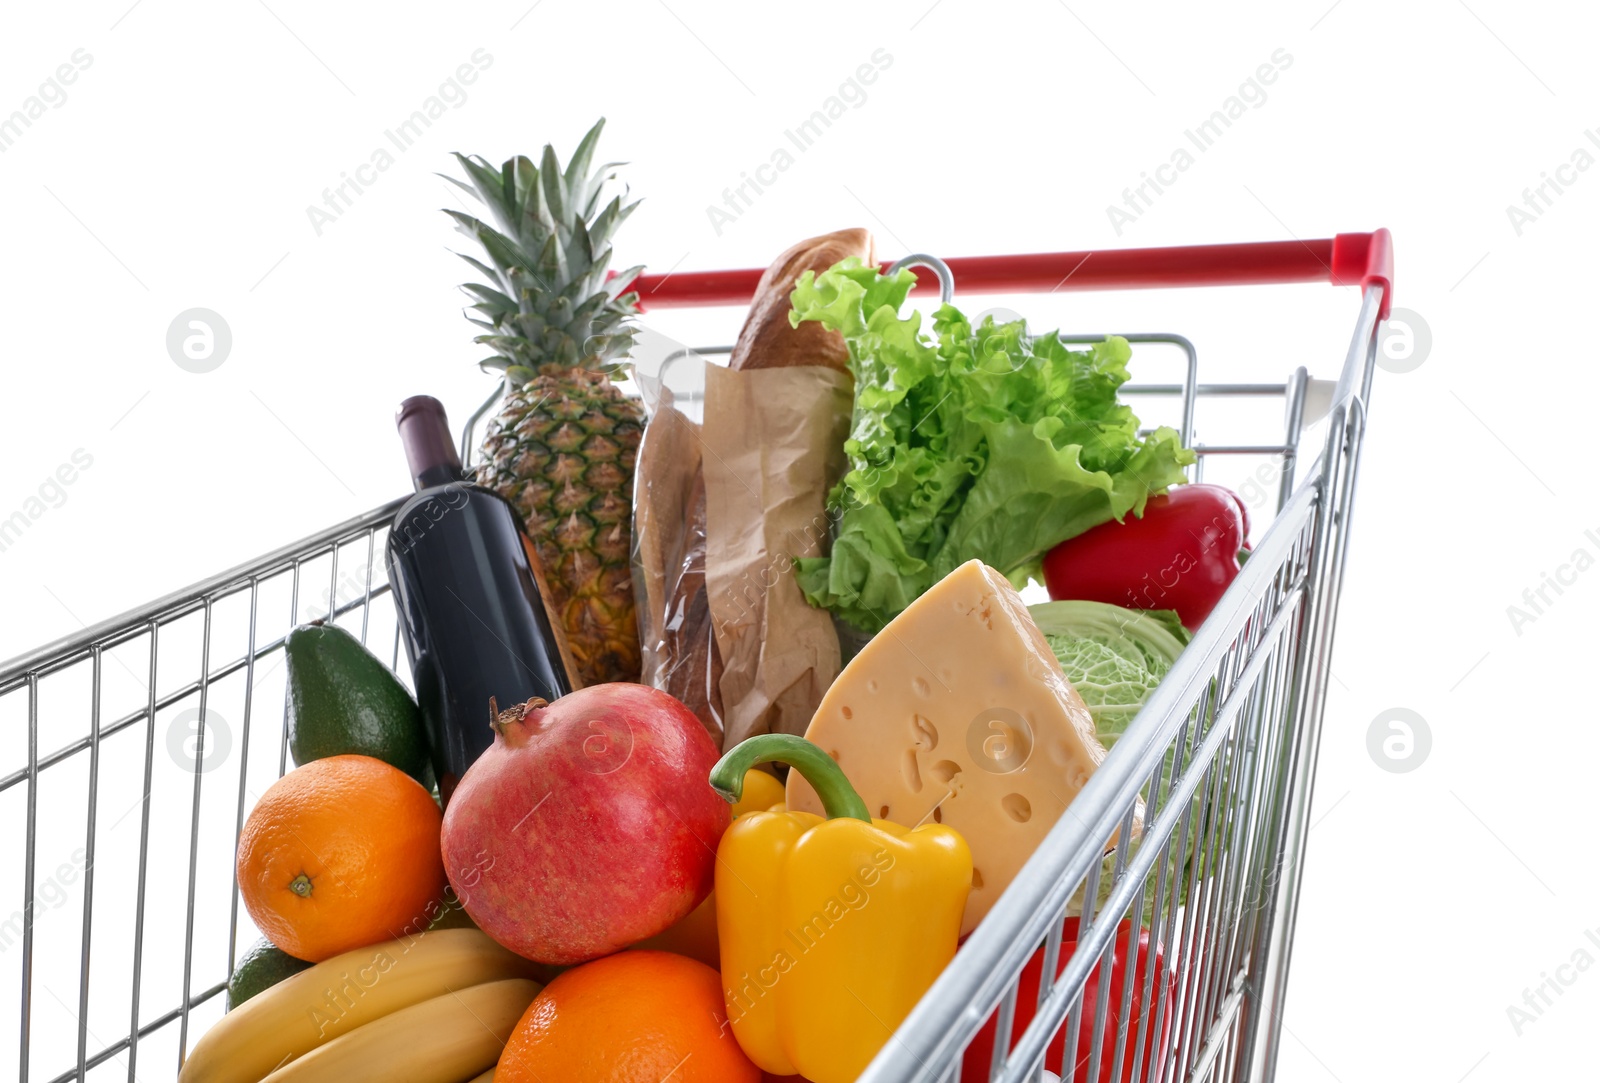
(588, 825)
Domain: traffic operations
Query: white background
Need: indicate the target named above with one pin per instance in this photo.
(177, 174)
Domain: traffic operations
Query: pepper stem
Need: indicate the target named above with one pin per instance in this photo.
(839, 798)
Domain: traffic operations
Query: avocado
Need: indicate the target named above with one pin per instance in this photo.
(343, 700)
(259, 969)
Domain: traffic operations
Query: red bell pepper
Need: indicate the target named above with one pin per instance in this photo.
(1181, 554)
(975, 1066)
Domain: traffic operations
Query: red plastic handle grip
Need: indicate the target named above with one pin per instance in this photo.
(1360, 259)
(1348, 259)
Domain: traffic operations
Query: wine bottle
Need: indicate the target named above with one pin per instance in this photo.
(467, 590)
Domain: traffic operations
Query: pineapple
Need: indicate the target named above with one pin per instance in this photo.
(562, 448)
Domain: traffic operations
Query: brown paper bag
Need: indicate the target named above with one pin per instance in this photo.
(771, 445)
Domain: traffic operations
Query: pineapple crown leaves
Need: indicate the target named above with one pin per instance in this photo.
(545, 299)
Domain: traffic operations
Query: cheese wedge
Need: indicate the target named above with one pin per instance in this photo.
(958, 712)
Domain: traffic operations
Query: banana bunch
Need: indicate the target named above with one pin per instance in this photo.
(435, 1008)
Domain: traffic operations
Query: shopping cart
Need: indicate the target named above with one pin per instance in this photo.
(1221, 759)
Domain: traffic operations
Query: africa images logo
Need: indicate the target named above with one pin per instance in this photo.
(852, 93)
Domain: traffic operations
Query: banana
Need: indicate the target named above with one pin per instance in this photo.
(486, 1077)
(341, 994)
(442, 1040)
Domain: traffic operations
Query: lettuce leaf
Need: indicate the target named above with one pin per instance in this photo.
(974, 442)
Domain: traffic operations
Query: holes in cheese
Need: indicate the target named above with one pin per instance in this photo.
(1017, 807)
(910, 771)
(958, 713)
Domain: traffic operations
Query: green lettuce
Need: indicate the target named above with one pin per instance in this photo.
(974, 442)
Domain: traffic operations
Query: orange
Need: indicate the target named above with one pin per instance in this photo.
(633, 1017)
(339, 854)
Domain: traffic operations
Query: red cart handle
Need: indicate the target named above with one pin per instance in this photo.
(1345, 260)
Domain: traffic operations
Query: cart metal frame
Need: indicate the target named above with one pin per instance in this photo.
(1222, 758)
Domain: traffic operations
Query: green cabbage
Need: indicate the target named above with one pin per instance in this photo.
(1113, 656)
(978, 442)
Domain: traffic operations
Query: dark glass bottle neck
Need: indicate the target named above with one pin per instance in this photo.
(425, 435)
(437, 475)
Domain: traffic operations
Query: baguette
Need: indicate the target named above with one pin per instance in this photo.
(692, 668)
(767, 341)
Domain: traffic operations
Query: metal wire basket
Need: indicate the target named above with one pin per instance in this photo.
(114, 979)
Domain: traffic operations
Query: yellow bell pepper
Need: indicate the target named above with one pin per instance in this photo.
(831, 928)
(761, 792)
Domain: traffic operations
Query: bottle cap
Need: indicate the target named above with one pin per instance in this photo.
(425, 436)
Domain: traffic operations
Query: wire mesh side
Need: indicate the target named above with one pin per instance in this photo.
(1196, 891)
(1340, 467)
(1160, 925)
(72, 1019)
